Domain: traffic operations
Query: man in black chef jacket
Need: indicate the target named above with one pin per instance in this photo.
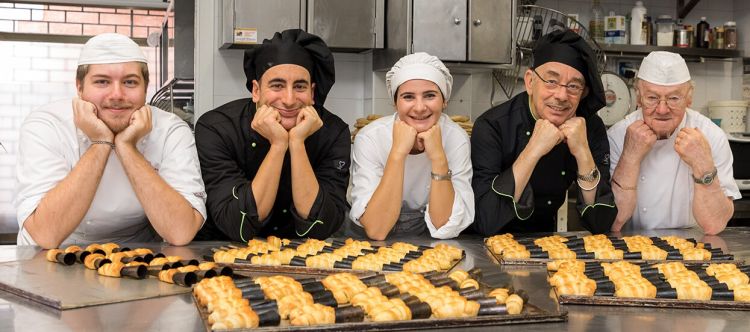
(277, 164)
(527, 151)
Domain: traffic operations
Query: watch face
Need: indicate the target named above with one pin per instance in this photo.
(708, 178)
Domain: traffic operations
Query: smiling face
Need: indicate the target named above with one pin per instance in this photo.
(662, 118)
(286, 88)
(419, 104)
(550, 102)
(116, 89)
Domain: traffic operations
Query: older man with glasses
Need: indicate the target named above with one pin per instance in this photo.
(528, 151)
(671, 166)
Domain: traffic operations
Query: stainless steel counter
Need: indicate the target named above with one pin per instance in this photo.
(178, 313)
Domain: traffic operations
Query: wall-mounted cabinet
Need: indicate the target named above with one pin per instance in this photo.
(465, 31)
(344, 25)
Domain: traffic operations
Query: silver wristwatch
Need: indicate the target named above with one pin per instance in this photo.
(589, 177)
(707, 177)
(441, 177)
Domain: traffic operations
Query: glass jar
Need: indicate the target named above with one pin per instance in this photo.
(718, 41)
(664, 30)
(730, 35)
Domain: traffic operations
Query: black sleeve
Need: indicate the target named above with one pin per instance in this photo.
(494, 184)
(598, 217)
(332, 172)
(230, 201)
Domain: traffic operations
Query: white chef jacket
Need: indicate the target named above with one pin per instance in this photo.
(665, 184)
(370, 153)
(50, 146)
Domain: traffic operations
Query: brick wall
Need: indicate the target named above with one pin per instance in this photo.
(32, 74)
(79, 20)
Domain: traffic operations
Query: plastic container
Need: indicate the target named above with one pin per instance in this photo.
(664, 30)
(596, 22)
(730, 35)
(638, 33)
(730, 113)
(701, 34)
(615, 29)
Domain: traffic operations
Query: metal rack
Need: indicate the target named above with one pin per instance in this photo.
(532, 22)
(176, 96)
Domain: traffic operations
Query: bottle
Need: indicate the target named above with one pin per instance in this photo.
(648, 27)
(730, 35)
(701, 38)
(596, 22)
(638, 35)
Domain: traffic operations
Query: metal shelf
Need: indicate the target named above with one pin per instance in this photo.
(615, 50)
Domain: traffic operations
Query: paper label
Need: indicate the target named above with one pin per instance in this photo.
(245, 36)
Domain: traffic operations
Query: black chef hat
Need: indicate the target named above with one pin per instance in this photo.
(566, 46)
(297, 47)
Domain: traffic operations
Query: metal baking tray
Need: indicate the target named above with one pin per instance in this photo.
(529, 314)
(247, 266)
(65, 287)
(543, 261)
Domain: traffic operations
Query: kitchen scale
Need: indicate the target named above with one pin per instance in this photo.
(619, 99)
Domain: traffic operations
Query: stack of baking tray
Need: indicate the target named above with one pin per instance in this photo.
(349, 316)
(526, 250)
(715, 286)
(323, 257)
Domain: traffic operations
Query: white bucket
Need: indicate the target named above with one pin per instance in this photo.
(730, 113)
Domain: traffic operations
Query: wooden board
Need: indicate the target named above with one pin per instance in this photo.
(68, 287)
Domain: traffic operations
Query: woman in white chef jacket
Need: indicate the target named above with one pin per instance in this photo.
(411, 172)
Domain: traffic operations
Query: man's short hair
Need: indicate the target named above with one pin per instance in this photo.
(84, 69)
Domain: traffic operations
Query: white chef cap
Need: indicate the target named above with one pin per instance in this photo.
(419, 66)
(110, 48)
(664, 68)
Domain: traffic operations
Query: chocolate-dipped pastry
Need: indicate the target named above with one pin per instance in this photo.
(135, 271)
(269, 318)
(313, 287)
(342, 265)
(493, 309)
(298, 261)
(419, 309)
(59, 256)
(186, 279)
(632, 255)
(259, 306)
(349, 314)
(372, 280)
(388, 290)
(202, 274)
(470, 294)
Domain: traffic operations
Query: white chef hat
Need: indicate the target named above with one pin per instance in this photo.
(664, 68)
(110, 48)
(419, 66)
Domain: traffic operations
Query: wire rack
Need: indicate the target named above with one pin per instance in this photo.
(531, 24)
(174, 96)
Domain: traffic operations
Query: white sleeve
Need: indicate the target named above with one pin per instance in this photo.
(616, 137)
(367, 170)
(181, 169)
(462, 214)
(40, 166)
(723, 158)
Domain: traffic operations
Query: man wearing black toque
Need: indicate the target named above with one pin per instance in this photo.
(527, 151)
(277, 164)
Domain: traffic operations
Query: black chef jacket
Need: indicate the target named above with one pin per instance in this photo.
(499, 136)
(230, 154)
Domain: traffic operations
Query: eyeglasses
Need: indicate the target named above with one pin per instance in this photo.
(673, 102)
(573, 89)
